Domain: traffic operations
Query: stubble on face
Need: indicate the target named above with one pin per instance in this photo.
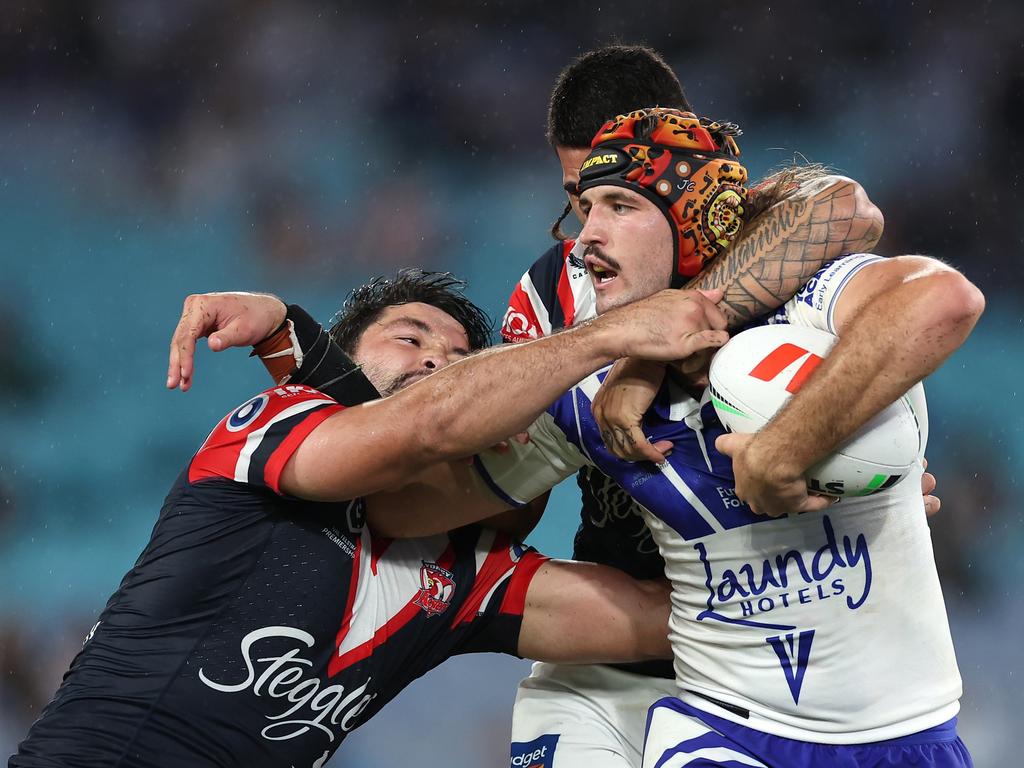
(648, 276)
(630, 236)
(388, 381)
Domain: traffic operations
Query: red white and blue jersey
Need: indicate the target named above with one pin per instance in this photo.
(826, 628)
(555, 293)
(259, 629)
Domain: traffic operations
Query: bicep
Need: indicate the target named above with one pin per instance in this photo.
(520, 522)
(874, 279)
(589, 613)
(355, 452)
(438, 499)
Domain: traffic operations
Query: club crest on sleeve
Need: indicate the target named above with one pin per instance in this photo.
(246, 413)
(437, 586)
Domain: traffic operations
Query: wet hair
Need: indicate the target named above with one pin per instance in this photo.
(779, 184)
(606, 82)
(438, 289)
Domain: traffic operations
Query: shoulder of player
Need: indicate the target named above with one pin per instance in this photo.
(555, 292)
(272, 404)
(253, 442)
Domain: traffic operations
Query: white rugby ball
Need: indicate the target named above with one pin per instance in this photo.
(758, 370)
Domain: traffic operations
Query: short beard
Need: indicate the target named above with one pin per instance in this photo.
(388, 383)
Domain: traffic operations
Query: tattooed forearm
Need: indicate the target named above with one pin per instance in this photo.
(786, 244)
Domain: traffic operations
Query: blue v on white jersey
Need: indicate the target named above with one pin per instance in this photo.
(825, 628)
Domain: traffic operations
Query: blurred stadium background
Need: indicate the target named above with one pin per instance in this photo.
(153, 149)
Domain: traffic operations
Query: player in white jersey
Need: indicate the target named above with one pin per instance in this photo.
(782, 627)
(593, 716)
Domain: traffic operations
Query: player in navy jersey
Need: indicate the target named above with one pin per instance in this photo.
(263, 621)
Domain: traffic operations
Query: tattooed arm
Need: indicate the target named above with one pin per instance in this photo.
(807, 218)
(783, 246)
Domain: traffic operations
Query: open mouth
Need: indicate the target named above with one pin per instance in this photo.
(602, 275)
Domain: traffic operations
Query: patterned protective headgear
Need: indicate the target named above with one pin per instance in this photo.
(685, 165)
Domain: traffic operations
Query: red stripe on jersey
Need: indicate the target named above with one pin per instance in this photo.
(279, 458)
(515, 595)
(346, 619)
(520, 322)
(496, 564)
(565, 294)
(381, 635)
(377, 550)
(219, 455)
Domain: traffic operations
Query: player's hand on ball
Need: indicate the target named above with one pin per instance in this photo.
(619, 407)
(764, 482)
(670, 325)
(228, 319)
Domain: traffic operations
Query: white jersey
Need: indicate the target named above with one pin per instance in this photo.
(826, 627)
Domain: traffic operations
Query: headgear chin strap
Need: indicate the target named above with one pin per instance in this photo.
(685, 165)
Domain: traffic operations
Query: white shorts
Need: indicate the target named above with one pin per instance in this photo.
(583, 716)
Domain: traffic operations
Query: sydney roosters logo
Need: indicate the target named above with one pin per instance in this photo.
(437, 585)
(516, 326)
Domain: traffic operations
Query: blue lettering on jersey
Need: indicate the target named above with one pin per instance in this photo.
(814, 579)
(539, 753)
(793, 653)
(806, 294)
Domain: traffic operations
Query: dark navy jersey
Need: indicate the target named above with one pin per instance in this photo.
(257, 629)
(555, 293)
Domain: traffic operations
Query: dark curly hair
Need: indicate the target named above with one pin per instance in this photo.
(600, 84)
(438, 289)
(606, 82)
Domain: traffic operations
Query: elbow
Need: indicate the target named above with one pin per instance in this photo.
(956, 302)
(866, 217)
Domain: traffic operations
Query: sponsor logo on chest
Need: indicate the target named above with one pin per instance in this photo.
(304, 701)
(839, 567)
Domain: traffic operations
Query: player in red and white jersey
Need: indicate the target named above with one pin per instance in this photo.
(264, 621)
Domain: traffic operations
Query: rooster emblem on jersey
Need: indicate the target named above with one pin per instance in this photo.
(437, 585)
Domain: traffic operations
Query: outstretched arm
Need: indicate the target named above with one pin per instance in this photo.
(465, 407)
(589, 613)
(897, 320)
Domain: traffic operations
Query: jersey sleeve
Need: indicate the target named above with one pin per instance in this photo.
(524, 472)
(543, 300)
(253, 443)
(490, 617)
(814, 305)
